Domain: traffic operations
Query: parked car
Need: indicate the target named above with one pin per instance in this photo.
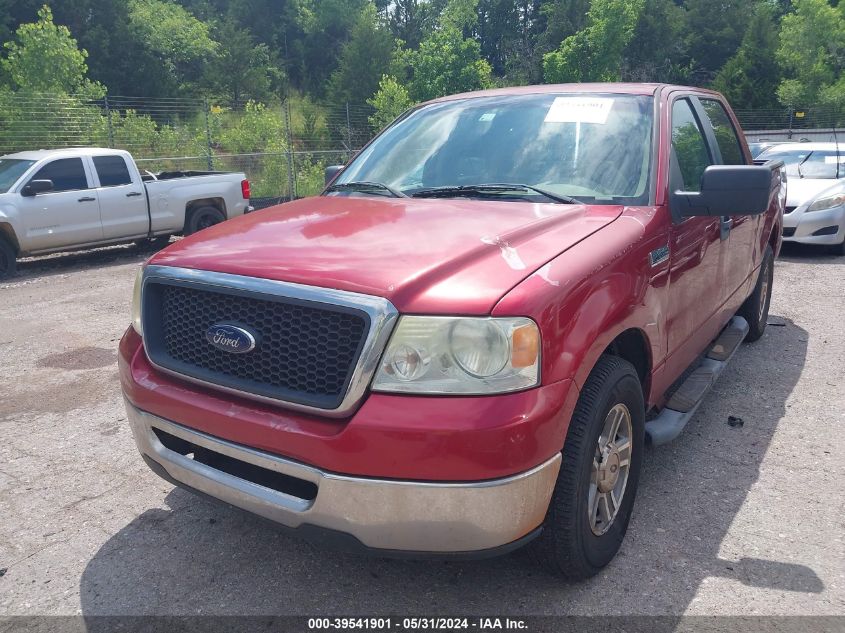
(758, 146)
(815, 204)
(461, 346)
(56, 200)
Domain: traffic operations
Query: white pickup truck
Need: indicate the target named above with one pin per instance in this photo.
(57, 200)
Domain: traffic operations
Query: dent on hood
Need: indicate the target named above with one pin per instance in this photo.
(509, 253)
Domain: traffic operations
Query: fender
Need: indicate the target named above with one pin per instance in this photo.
(590, 294)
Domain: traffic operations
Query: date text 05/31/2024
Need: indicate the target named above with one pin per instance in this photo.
(420, 623)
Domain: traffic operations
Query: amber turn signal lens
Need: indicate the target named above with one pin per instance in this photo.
(525, 346)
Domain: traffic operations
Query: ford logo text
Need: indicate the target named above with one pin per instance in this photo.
(230, 338)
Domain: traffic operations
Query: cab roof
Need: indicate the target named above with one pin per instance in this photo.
(64, 151)
(644, 89)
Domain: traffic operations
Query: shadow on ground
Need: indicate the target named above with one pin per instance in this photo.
(201, 558)
(65, 263)
(793, 252)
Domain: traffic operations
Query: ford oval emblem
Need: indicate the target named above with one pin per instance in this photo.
(230, 338)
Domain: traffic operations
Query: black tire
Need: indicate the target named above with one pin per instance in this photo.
(838, 249)
(202, 218)
(8, 260)
(153, 243)
(755, 310)
(568, 546)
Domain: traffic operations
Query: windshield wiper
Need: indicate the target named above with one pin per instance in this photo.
(798, 166)
(490, 188)
(366, 185)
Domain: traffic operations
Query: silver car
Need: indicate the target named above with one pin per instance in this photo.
(815, 194)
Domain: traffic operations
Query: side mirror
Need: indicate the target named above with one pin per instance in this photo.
(332, 171)
(34, 187)
(728, 190)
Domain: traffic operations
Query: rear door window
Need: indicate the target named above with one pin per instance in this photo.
(726, 137)
(67, 174)
(112, 171)
(690, 148)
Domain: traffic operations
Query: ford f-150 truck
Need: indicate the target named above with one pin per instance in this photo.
(462, 345)
(57, 200)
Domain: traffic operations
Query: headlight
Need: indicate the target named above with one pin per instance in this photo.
(136, 302)
(460, 355)
(828, 202)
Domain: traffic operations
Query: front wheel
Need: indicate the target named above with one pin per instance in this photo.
(8, 260)
(755, 310)
(594, 494)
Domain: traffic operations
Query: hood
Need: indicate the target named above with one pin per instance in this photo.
(801, 190)
(424, 255)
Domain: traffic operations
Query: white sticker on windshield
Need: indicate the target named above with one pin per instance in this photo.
(579, 110)
(832, 160)
(487, 116)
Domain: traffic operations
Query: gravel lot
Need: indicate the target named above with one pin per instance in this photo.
(729, 520)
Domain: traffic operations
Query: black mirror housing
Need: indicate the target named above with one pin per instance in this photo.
(34, 187)
(332, 171)
(727, 190)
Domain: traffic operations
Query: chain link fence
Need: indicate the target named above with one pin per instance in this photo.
(282, 148)
(814, 123)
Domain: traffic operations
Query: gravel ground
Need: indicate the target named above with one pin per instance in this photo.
(729, 520)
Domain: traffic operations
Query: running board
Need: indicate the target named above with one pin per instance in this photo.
(684, 402)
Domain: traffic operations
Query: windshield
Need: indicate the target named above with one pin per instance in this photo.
(807, 163)
(10, 170)
(593, 147)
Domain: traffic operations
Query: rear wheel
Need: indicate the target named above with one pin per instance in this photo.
(203, 218)
(594, 495)
(755, 310)
(8, 259)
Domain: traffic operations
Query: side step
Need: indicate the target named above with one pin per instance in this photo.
(684, 402)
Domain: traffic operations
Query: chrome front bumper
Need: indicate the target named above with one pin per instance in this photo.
(410, 516)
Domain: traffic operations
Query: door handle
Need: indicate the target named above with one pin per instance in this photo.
(87, 199)
(134, 194)
(726, 224)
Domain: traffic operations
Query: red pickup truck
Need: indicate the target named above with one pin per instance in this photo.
(462, 346)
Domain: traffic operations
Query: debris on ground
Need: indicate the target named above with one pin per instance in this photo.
(735, 421)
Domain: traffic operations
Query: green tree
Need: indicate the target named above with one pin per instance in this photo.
(390, 101)
(750, 78)
(595, 52)
(713, 34)
(657, 51)
(446, 62)
(812, 41)
(180, 42)
(365, 58)
(242, 69)
(44, 57)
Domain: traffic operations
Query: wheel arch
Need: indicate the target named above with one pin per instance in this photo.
(192, 206)
(8, 233)
(631, 344)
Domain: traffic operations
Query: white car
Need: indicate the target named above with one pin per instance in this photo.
(57, 200)
(815, 193)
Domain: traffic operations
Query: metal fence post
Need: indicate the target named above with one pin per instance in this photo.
(348, 133)
(208, 136)
(108, 117)
(291, 166)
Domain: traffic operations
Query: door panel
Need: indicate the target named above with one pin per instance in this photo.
(66, 216)
(697, 252)
(741, 256)
(123, 203)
